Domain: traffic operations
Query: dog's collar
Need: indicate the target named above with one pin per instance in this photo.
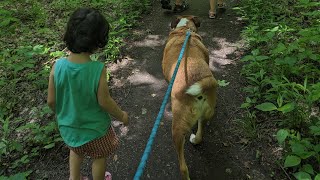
(182, 22)
(183, 30)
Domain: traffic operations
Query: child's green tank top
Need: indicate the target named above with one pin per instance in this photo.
(79, 115)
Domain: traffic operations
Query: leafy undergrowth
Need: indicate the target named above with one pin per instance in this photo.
(283, 75)
(31, 39)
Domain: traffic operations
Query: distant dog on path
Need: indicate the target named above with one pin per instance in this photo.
(193, 95)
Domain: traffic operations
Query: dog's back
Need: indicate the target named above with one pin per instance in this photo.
(193, 95)
(194, 85)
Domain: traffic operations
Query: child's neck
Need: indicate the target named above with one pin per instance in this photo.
(79, 57)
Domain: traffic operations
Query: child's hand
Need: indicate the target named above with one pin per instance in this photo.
(124, 118)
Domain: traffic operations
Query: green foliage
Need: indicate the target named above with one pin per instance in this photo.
(223, 83)
(248, 125)
(292, 161)
(18, 176)
(19, 143)
(7, 19)
(282, 71)
(303, 152)
(19, 67)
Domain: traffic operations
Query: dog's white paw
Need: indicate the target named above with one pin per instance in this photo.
(192, 138)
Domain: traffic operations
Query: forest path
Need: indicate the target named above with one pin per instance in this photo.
(137, 84)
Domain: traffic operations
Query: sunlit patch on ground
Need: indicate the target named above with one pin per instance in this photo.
(151, 41)
(219, 58)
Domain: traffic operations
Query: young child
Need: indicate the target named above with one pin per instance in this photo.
(79, 95)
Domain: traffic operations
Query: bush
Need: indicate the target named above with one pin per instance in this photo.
(283, 71)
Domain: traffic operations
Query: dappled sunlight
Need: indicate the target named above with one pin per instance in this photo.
(219, 58)
(145, 78)
(151, 41)
(114, 67)
(238, 21)
(202, 34)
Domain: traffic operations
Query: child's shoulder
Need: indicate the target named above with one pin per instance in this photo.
(61, 60)
(97, 64)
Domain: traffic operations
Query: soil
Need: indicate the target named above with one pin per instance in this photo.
(137, 84)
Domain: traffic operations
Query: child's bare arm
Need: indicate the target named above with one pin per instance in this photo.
(51, 100)
(106, 101)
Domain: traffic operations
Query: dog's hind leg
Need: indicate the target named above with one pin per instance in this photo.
(179, 140)
(197, 138)
(180, 127)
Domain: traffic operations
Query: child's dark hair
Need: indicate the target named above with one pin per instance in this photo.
(87, 30)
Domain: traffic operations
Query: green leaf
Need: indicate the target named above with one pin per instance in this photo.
(223, 83)
(302, 176)
(24, 159)
(270, 34)
(280, 48)
(282, 134)
(49, 146)
(17, 146)
(59, 139)
(261, 58)
(308, 168)
(266, 106)
(315, 96)
(287, 108)
(255, 52)
(315, 130)
(253, 79)
(245, 105)
(297, 148)
(280, 100)
(57, 54)
(2, 145)
(304, 1)
(274, 29)
(19, 176)
(292, 161)
(3, 148)
(317, 148)
(317, 177)
(248, 58)
(306, 155)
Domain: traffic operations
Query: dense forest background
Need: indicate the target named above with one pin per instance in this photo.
(282, 69)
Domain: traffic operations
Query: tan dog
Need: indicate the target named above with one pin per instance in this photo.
(193, 95)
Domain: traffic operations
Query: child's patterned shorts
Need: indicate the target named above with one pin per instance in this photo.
(98, 148)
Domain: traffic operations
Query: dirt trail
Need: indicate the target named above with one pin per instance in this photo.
(139, 87)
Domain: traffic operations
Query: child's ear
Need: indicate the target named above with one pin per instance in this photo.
(175, 22)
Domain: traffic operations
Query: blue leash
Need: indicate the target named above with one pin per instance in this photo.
(160, 114)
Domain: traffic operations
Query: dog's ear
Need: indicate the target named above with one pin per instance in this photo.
(196, 21)
(175, 22)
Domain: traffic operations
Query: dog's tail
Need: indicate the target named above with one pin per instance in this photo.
(198, 88)
(204, 92)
